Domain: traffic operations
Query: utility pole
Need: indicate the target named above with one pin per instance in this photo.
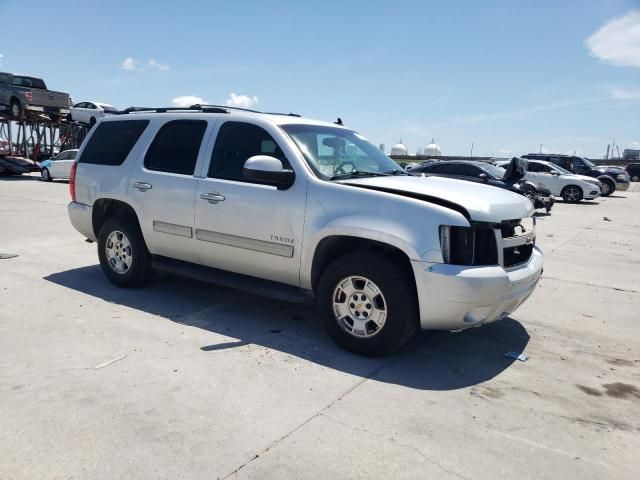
(471, 149)
(540, 148)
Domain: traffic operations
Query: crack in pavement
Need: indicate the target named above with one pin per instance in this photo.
(402, 444)
(315, 415)
(596, 285)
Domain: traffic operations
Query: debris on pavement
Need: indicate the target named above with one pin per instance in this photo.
(516, 356)
(4, 256)
(109, 362)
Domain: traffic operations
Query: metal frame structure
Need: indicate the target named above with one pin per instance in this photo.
(37, 135)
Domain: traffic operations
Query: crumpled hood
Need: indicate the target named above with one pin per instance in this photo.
(484, 203)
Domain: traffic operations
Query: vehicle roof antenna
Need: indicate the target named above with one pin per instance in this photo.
(339, 121)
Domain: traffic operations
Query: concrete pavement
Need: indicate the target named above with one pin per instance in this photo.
(185, 380)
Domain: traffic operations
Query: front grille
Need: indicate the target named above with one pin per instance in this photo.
(515, 255)
(517, 241)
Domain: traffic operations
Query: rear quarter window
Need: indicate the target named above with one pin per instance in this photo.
(112, 141)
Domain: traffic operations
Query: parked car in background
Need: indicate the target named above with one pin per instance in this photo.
(482, 172)
(91, 112)
(572, 188)
(59, 166)
(4, 147)
(222, 194)
(21, 93)
(612, 178)
(14, 165)
(633, 170)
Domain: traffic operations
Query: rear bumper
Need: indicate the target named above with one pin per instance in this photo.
(81, 219)
(453, 297)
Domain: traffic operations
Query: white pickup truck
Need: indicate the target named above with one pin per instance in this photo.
(301, 210)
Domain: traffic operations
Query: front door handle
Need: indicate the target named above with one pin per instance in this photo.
(212, 197)
(142, 186)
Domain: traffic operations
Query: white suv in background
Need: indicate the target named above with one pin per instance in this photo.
(303, 210)
(562, 183)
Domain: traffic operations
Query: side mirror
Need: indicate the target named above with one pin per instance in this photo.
(268, 171)
(484, 177)
(555, 173)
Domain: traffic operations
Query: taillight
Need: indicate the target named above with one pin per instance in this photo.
(72, 181)
(28, 96)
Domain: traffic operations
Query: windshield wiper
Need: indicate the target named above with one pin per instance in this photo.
(396, 171)
(358, 173)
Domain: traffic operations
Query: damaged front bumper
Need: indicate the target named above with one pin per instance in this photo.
(454, 297)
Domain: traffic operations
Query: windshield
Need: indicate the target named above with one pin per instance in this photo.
(497, 172)
(588, 163)
(333, 152)
(560, 169)
(108, 108)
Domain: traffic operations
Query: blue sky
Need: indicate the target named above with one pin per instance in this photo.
(505, 75)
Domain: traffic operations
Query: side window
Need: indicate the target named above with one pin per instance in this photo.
(540, 168)
(175, 147)
(467, 170)
(112, 141)
(72, 155)
(236, 143)
(90, 105)
(62, 156)
(447, 169)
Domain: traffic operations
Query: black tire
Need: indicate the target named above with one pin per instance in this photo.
(45, 175)
(140, 269)
(608, 187)
(15, 109)
(571, 194)
(398, 289)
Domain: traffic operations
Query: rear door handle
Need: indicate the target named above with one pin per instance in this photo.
(212, 197)
(142, 186)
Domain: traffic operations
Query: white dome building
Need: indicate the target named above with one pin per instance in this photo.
(399, 149)
(432, 150)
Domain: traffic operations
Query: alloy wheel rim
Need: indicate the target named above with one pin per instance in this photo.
(359, 306)
(118, 252)
(605, 188)
(573, 194)
(45, 174)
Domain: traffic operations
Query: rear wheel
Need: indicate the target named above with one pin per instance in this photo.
(608, 187)
(16, 109)
(367, 303)
(572, 194)
(45, 175)
(123, 254)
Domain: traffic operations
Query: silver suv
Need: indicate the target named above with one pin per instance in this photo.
(300, 209)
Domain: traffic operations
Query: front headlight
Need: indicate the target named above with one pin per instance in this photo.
(621, 176)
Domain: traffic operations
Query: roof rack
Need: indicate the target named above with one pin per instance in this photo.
(198, 108)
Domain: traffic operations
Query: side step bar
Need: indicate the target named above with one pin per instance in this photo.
(257, 286)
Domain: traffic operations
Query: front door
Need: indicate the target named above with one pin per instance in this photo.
(243, 226)
(163, 188)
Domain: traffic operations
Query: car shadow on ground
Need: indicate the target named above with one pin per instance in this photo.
(433, 361)
(18, 178)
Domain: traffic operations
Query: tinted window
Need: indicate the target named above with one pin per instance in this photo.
(112, 141)
(538, 168)
(238, 142)
(467, 170)
(443, 168)
(176, 146)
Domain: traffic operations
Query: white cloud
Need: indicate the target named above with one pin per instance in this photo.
(634, 145)
(160, 66)
(242, 101)
(187, 100)
(618, 41)
(1, 57)
(625, 93)
(130, 64)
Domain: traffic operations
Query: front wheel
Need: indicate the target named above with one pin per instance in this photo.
(608, 187)
(45, 175)
(123, 254)
(572, 194)
(367, 303)
(16, 110)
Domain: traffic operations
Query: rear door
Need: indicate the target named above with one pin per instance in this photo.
(163, 187)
